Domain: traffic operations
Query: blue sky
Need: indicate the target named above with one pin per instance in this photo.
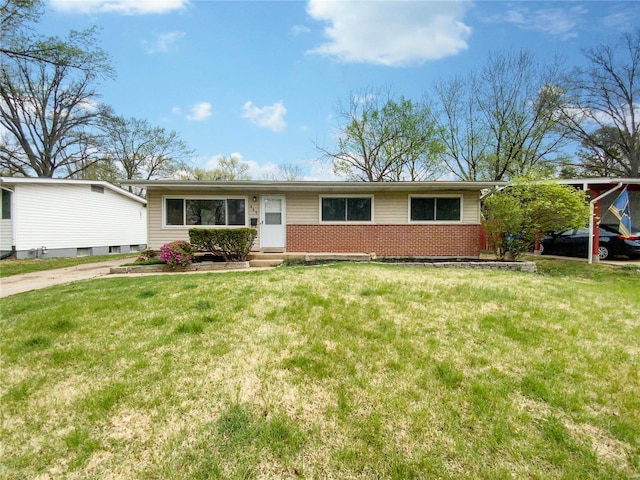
(262, 79)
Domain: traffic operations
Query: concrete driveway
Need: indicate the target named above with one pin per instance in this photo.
(618, 261)
(36, 280)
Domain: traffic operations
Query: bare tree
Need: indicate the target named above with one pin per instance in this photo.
(384, 139)
(600, 107)
(603, 160)
(463, 132)
(498, 123)
(288, 172)
(141, 151)
(49, 108)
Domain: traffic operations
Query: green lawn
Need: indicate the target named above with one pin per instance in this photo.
(343, 371)
(10, 267)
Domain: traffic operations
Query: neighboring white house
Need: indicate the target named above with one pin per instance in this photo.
(52, 217)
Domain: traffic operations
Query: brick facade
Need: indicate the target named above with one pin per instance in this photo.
(387, 240)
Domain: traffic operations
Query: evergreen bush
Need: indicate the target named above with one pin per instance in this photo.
(234, 244)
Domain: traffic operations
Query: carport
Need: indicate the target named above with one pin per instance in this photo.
(603, 191)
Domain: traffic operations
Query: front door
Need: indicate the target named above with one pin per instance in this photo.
(273, 222)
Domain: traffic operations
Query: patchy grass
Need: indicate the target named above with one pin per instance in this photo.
(12, 266)
(553, 267)
(342, 371)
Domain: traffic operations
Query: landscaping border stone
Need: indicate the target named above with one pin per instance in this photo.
(521, 266)
(195, 267)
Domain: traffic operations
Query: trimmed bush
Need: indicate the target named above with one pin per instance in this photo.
(234, 244)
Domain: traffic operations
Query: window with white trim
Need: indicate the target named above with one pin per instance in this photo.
(435, 209)
(204, 211)
(346, 209)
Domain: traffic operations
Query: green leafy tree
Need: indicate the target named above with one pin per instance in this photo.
(227, 169)
(232, 168)
(19, 41)
(515, 215)
(16, 23)
(381, 138)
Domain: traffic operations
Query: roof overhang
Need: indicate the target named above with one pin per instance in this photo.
(306, 186)
(11, 181)
(601, 183)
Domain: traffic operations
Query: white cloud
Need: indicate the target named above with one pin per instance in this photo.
(558, 22)
(391, 33)
(318, 170)
(212, 162)
(199, 112)
(299, 30)
(164, 42)
(271, 116)
(619, 21)
(124, 7)
(176, 110)
(255, 170)
(89, 105)
(322, 171)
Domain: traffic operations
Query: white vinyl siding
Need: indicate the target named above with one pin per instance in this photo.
(302, 208)
(6, 235)
(72, 216)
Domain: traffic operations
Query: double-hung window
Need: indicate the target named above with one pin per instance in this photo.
(346, 209)
(204, 211)
(435, 209)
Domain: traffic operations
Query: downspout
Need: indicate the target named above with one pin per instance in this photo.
(592, 220)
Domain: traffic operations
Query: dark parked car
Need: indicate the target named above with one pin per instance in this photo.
(576, 242)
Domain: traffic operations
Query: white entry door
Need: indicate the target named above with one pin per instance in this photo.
(273, 227)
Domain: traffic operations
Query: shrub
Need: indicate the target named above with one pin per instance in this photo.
(177, 253)
(234, 244)
(514, 215)
(147, 255)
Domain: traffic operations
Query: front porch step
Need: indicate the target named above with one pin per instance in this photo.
(268, 259)
(265, 262)
(264, 259)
